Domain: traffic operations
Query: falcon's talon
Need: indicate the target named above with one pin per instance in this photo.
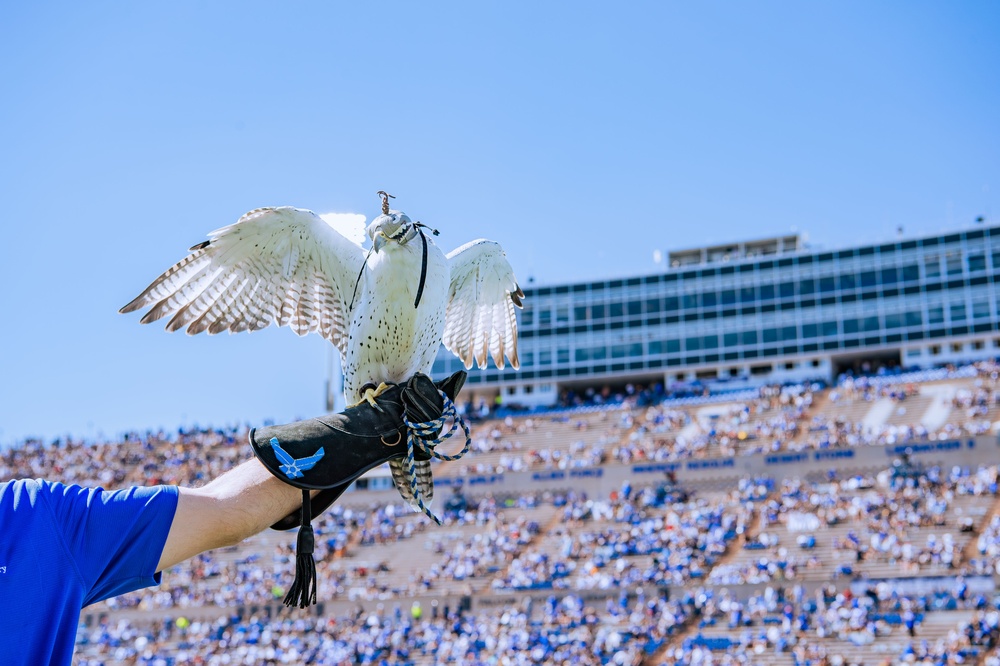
(369, 392)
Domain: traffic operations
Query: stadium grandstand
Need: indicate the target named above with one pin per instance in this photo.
(792, 524)
(764, 455)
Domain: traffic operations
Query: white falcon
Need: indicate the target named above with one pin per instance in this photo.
(387, 311)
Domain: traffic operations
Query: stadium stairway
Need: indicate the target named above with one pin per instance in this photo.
(971, 547)
(690, 626)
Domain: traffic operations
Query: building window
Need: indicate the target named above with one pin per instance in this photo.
(957, 311)
(932, 266)
(935, 314)
(953, 263)
(935, 350)
(977, 262)
(980, 308)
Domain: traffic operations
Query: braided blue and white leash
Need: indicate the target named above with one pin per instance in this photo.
(421, 436)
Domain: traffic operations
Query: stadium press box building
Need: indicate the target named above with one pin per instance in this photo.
(761, 311)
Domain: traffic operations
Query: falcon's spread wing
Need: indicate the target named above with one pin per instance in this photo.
(480, 321)
(283, 265)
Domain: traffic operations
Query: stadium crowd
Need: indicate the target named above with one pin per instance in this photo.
(644, 425)
(940, 524)
(758, 629)
(557, 630)
(648, 538)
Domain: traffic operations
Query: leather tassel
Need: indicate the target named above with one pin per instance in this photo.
(303, 591)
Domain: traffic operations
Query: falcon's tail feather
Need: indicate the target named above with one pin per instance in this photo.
(425, 482)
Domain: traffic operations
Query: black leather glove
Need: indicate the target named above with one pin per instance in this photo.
(330, 452)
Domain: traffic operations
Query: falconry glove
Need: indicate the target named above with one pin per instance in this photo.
(330, 452)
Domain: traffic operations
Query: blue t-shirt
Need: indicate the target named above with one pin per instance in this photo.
(64, 547)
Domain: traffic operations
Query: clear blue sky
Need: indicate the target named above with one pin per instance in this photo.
(580, 135)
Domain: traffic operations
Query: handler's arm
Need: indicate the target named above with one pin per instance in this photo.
(238, 504)
(325, 453)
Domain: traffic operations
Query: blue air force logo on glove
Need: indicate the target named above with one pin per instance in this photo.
(291, 467)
